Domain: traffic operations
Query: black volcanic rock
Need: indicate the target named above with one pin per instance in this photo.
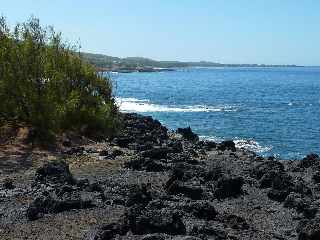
(8, 184)
(156, 153)
(309, 161)
(296, 201)
(147, 164)
(228, 187)
(188, 134)
(207, 145)
(190, 190)
(316, 177)
(227, 145)
(56, 171)
(159, 221)
(160, 186)
(50, 203)
(208, 231)
(278, 195)
(123, 141)
(202, 209)
(309, 230)
(265, 167)
(236, 222)
(139, 194)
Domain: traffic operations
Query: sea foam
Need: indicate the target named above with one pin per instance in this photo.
(144, 105)
(247, 144)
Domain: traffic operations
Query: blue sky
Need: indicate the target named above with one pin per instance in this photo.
(227, 31)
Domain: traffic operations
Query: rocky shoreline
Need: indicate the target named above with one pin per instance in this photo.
(148, 183)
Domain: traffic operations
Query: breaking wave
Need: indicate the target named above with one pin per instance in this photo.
(250, 145)
(144, 105)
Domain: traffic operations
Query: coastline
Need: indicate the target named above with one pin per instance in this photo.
(150, 183)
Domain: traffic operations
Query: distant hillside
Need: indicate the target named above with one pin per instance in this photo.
(131, 63)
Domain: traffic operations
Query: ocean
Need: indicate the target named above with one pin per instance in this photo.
(272, 111)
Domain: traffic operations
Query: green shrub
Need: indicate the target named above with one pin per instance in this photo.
(45, 83)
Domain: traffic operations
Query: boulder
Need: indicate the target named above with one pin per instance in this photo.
(55, 171)
(227, 145)
(109, 231)
(75, 150)
(190, 190)
(207, 145)
(309, 230)
(188, 134)
(159, 221)
(156, 153)
(295, 201)
(202, 209)
(228, 187)
(309, 161)
(213, 174)
(316, 177)
(262, 168)
(236, 222)
(278, 195)
(49, 203)
(104, 152)
(123, 141)
(147, 164)
(66, 142)
(139, 194)
(207, 229)
(301, 187)
(8, 184)
(176, 147)
(282, 181)
(267, 179)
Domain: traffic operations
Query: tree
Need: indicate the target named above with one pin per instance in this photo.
(45, 83)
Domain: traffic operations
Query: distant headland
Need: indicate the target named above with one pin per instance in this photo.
(141, 64)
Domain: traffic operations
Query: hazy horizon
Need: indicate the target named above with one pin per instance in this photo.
(242, 32)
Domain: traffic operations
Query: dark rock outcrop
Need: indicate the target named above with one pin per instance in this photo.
(190, 190)
(56, 171)
(8, 184)
(188, 134)
(227, 145)
(236, 222)
(228, 187)
(309, 230)
(265, 167)
(49, 203)
(309, 161)
(159, 221)
(202, 210)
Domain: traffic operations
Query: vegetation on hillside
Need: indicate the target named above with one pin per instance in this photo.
(109, 62)
(45, 83)
(105, 62)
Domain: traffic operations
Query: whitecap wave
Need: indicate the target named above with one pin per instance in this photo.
(210, 138)
(138, 105)
(250, 145)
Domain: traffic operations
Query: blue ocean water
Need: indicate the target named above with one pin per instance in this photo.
(273, 111)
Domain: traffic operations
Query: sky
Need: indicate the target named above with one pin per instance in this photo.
(225, 31)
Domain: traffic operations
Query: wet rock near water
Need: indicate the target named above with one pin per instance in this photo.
(188, 134)
(309, 161)
(227, 145)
